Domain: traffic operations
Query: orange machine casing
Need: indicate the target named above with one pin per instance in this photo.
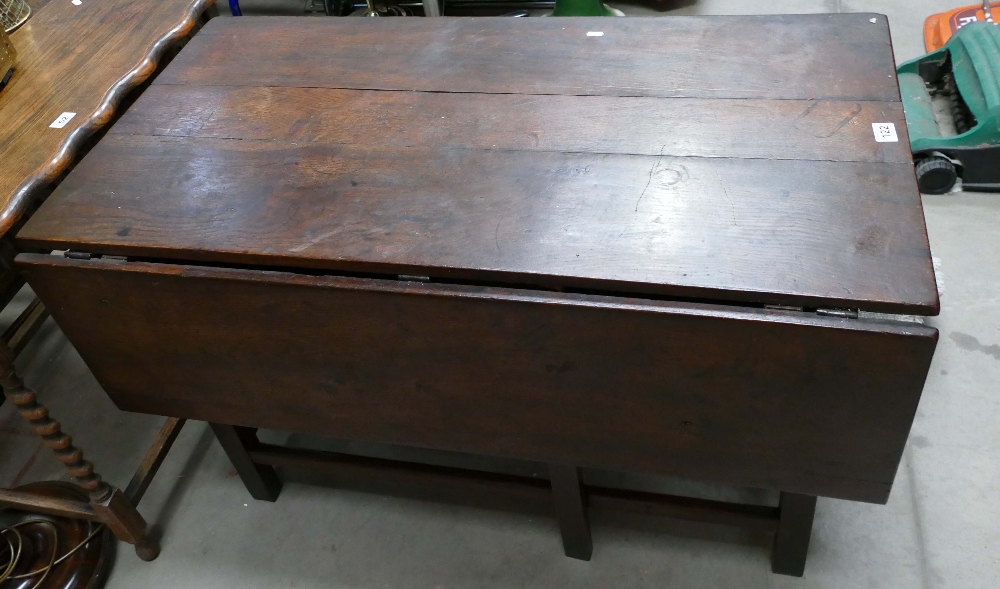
(938, 28)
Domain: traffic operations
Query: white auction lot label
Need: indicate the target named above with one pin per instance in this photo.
(885, 132)
(62, 120)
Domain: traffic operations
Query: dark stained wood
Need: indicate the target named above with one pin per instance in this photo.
(108, 503)
(28, 501)
(49, 429)
(745, 128)
(83, 59)
(812, 233)
(440, 483)
(154, 458)
(434, 230)
(36, 5)
(24, 327)
(791, 542)
(11, 280)
(761, 518)
(87, 548)
(126, 524)
(571, 511)
(260, 480)
(771, 399)
(526, 493)
(828, 56)
(672, 177)
(10, 284)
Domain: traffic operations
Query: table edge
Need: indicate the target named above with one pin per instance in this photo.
(99, 118)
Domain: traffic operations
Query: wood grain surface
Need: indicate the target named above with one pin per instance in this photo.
(37, 5)
(689, 127)
(770, 399)
(524, 152)
(81, 59)
(805, 57)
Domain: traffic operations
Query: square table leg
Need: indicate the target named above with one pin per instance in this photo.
(261, 480)
(791, 542)
(571, 509)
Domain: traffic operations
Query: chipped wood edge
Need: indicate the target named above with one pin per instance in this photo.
(105, 111)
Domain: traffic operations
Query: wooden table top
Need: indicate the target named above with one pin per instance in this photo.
(82, 59)
(718, 158)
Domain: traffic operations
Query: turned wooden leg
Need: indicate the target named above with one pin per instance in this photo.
(791, 542)
(571, 509)
(259, 479)
(108, 502)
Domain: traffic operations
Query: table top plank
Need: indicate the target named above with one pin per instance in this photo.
(81, 59)
(685, 227)
(832, 56)
(745, 128)
(773, 197)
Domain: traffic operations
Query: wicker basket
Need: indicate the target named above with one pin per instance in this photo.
(7, 56)
(13, 13)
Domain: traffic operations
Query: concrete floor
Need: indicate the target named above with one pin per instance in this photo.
(940, 529)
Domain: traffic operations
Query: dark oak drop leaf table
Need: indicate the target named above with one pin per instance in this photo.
(674, 247)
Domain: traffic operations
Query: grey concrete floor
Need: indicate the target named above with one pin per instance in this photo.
(940, 529)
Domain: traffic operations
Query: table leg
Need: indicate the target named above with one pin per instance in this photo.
(108, 502)
(791, 542)
(571, 509)
(261, 480)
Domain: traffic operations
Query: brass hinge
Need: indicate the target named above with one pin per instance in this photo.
(842, 313)
(89, 256)
(823, 312)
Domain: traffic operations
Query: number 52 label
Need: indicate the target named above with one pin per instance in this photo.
(885, 132)
(62, 120)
